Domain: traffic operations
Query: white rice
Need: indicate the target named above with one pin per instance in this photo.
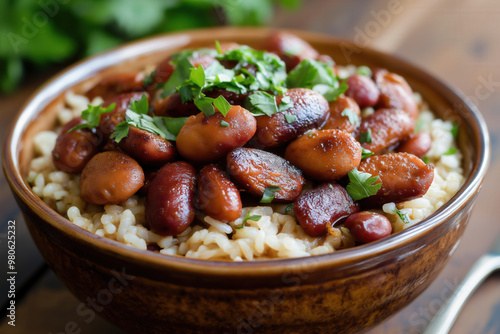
(274, 235)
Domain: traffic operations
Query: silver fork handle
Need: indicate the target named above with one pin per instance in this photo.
(446, 316)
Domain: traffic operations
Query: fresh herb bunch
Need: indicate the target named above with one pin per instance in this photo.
(36, 34)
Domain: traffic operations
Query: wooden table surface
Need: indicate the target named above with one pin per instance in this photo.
(456, 40)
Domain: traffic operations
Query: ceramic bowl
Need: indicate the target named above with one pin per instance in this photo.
(145, 292)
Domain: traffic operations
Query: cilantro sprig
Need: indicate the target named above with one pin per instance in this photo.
(362, 185)
(366, 137)
(93, 115)
(269, 193)
(365, 153)
(351, 115)
(403, 216)
(262, 103)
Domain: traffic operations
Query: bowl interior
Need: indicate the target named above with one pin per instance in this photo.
(39, 114)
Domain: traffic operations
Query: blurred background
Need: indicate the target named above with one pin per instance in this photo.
(455, 40)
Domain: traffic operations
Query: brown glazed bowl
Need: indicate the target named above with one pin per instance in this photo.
(144, 292)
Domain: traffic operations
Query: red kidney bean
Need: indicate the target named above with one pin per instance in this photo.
(387, 127)
(417, 144)
(337, 120)
(115, 84)
(290, 48)
(368, 226)
(110, 178)
(324, 155)
(170, 201)
(395, 92)
(403, 176)
(147, 148)
(254, 170)
(324, 205)
(74, 149)
(204, 139)
(363, 90)
(218, 197)
(310, 109)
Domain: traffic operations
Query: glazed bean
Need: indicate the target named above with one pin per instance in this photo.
(403, 176)
(417, 144)
(254, 170)
(170, 200)
(290, 48)
(368, 226)
(337, 120)
(325, 155)
(218, 197)
(74, 149)
(204, 139)
(322, 206)
(363, 90)
(395, 92)
(116, 84)
(110, 178)
(310, 109)
(387, 128)
(147, 148)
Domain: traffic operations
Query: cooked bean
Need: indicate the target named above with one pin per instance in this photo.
(322, 206)
(339, 121)
(417, 144)
(116, 84)
(290, 48)
(387, 128)
(110, 178)
(368, 226)
(204, 139)
(403, 176)
(147, 148)
(310, 109)
(109, 120)
(218, 197)
(363, 90)
(325, 155)
(170, 200)
(74, 149)
(395, 92)
(254, 170)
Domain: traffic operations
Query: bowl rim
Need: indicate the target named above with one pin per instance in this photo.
(64, 80)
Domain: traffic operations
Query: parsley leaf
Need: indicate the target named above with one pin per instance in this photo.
(93, 115)
(364, 70)
(248, 217)
(425, 159)
(290, 118)
(140, 106)
(351, 115)
(218, 48)
(403, 216)
(366, 137)
(148, 80)
(262, 103)
(317, 76)
(224, 124)
(362, 185)
(419, 126)
(365, 153)
(222, 105)
(454, 130)
(268, 195)
(288, 208)
(181, 73)
(451, 151)
(197, 76)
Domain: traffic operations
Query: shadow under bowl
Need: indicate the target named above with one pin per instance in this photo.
(145, 292)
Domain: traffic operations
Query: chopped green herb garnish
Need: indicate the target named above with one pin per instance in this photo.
(222, 105)
(148, 80)
(364, 70)
(419, 126)
(224, 124)
(248, 217)
(403, 216)
(56, 156)
(218, 48)
(451, 151)
(268, 195)
(330, 186)
(262, 103)
(288, 208)
(290, 118)
(362, 185)
(180, 74)
(425, 159)
(365, 153)
(351, 115)
(366, 137)
(454, 130)
(140, 106)
(317, 76)
(93, 115)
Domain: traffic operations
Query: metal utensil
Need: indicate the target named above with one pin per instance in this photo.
(446, 316)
